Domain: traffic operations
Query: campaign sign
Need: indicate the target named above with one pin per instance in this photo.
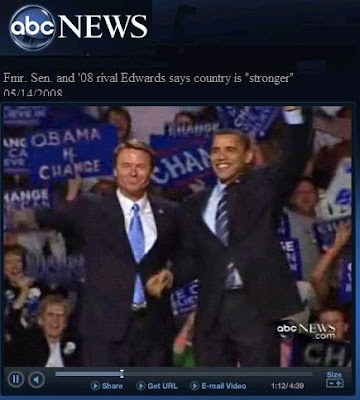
(24, 115)
(61, 154)
(325, 231)
(284, 226)
(180, 160)
(51, 264)
(336, 201)
(293, 256)
(27, 198)
(346, 279)
(252, 120)
(16, 156)
(205, 129)
(184, 300)
(311, 352)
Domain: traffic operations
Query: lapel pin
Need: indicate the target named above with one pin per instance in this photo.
(161, 211)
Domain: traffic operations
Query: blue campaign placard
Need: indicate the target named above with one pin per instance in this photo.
(252, 120)
(27, 198)
(310, 352)
(343, 197)
(15, 156)
(61, 154)
(346, 281)
(180, 160)
(25, 115)
(284, 226)
(325, 231)
(184, 300)
(293, 256)
(205, 129)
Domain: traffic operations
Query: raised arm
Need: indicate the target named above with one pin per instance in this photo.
(64, 215)
(296, 148)
(320, 275)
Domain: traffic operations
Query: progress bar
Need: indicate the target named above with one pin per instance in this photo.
(120, 373)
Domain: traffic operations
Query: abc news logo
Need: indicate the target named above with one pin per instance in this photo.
(33, 27)
(288, 329)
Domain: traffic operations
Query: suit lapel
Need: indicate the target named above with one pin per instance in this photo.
(203, 201)
(240, 208)
(114, 226)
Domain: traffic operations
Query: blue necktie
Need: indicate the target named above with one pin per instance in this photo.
(137, 243)
(233, 280)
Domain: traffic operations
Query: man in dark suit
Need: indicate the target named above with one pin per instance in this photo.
(51, 343)
(245, 282)
(128, 238)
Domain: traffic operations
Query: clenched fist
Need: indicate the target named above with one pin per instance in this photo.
(157, 283)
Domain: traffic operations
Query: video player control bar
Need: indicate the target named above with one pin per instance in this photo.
(180, 373)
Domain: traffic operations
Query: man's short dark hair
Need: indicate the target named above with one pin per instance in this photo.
(331, 308)
(307, 179)
(186, 114)
(135, 144)
(244, 139)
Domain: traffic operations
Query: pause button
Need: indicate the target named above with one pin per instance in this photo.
(15, 379)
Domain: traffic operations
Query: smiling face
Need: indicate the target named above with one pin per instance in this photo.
(229, 157)
(133, 170)
(54, 321)
(13, 267)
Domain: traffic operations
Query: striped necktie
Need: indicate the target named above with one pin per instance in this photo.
(233, 279)
(222, 220)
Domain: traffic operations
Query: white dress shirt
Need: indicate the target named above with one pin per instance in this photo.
(146, 217)
(55, 358)
(209, 214)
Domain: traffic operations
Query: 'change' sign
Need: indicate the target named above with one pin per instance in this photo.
(180, 160)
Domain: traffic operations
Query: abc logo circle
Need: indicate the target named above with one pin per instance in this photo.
(286, 329)
(32, 27)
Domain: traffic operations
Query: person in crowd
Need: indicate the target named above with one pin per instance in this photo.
(129, 236)
(208, 114)
(326, 276)
(49, 343)
(22, 294)
(184, 118)
(183, 354)
(120, 117)
(336, 317)
(233, 243)
(302, 216)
